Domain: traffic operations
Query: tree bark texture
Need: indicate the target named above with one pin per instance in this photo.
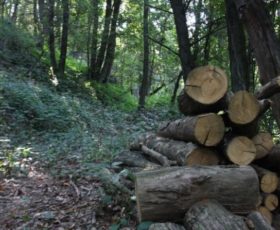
(64, 37)
(187, 63)
(146, 62)
(264, 42)
(209, 214)
(167, 194)
(205, 129)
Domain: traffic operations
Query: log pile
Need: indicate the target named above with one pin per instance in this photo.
(213, 167)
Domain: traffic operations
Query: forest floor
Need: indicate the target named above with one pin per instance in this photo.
(56, 148)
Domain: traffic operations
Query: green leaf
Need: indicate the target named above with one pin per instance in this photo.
(114, 227)
(144, 225)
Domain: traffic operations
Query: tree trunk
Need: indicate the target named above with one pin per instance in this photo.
(94, 39)
(181, 152)
(272, 160)
(239, 150)
(258, 222)
(15, 11)
(206, 129)
(264, 42)
(110, 52)
(269, 89)
(35, 17)
(209, 214)
(146, 62)
(205, 91)
(264, 143)
(104, 42)
(51, 40)
(176, 87)
(237, 49)
(64, 37)
(167, 194)
(3, 3)
(179, 14)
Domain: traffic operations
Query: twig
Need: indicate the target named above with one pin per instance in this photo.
(76, 190)
(159, 157)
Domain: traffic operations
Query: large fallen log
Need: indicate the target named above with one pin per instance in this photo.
(239, 150)
(264, 143)
(181, 152)
(258, 222)
(166, 194)
(272, 160)
(204, 92)
(209, 214)
(205, 129)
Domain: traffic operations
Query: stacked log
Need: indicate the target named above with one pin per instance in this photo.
(219, 128)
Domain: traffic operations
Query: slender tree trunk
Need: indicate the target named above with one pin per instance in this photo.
(15, 11)
(104, 41)
(110, 52)
(95, 4)
(35, 17)
(237, 49)
(43, 19)
(146, 62)
(264, 42)
(51, 40)
(64, 37)
(196, 33)
(3, 2)
(186, 58)
(176, 87)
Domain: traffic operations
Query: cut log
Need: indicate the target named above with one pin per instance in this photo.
(264, 143)
(270, 201)
(166, 226)
(205, 129)
(249, 129)
(239, 150)
(265, 213)
(258, 222)
(166, 194)
(205, 91)
(268, 179)
(157, 156)
(181, 152)
(272, 160)
(269, 89)
(206, 215)
(244, 108)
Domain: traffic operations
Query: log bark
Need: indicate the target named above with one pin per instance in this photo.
(267, 215)
(207, 214)
(166, 226)
(258, 222)
(264, 143)
(181, 152)
(205, 91)
(205, 129)
(166, 194)
(239, 150)
(269, 89)
(272, 160)
(268, 179)
(270, 201)
(276, 221)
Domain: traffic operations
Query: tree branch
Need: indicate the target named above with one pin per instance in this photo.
(161, 44)
(158, 8)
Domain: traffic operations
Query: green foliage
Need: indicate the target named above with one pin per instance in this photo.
(16, 45)
(144, 225)
(115, 96)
